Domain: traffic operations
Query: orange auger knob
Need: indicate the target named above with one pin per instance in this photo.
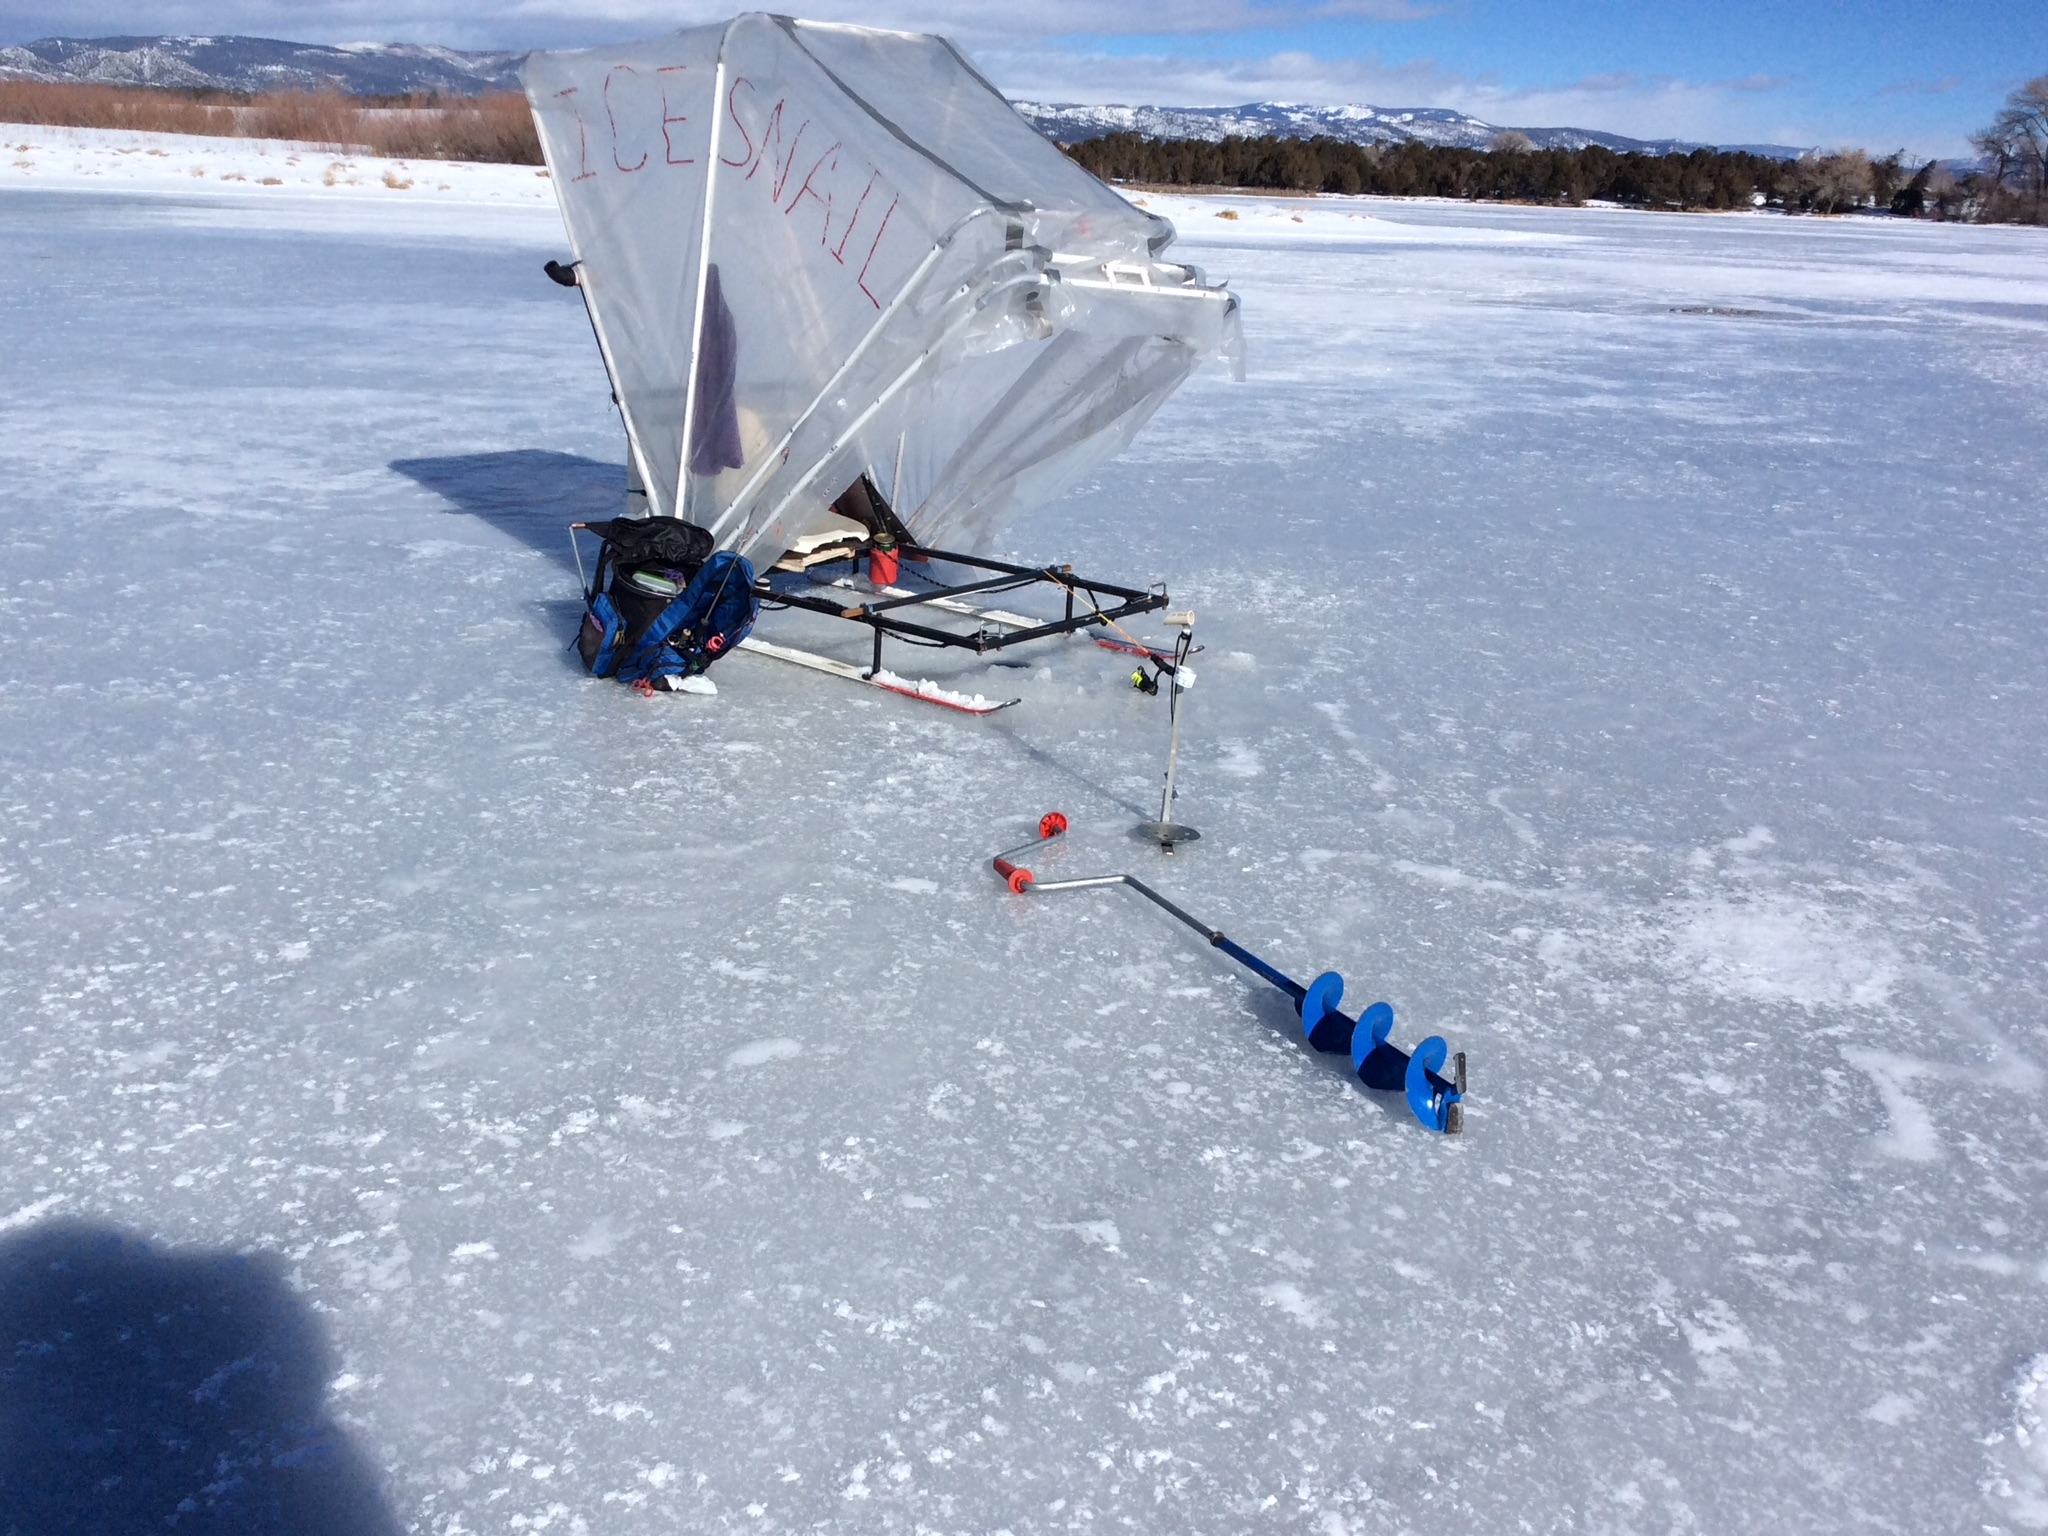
(1050, 825)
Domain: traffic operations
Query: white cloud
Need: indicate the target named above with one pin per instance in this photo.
(1644, 107)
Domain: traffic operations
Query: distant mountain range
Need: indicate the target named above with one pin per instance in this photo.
(1355, 125)
(257, 64)
(262, 64)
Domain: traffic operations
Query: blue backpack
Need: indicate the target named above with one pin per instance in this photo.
(658, 607)
(705, 620)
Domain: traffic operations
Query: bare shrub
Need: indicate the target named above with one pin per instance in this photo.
(496, 127)
(326, 118)
(1511, 141)
(110, 106)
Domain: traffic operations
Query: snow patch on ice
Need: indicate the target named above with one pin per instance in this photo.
(1519, 824)
(1716, 1337)
(915, 884)
(1893, 1408)
(1240, 761)
(600, 1239)
(365, 1272)
(143, 1061)
(1290, 1299)
(1912, 1137)
(1096, 1234)
(755, 973)
(1779, 948)
(2018, 1476)
(759, 1053)
(1443, 874)
(1755, 840)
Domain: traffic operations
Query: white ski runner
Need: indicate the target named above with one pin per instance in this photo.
(923, 689)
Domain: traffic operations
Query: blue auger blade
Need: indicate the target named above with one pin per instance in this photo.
(1377, 1022)
(1381, 1064)
(1327, 1029)
(1433, 1098)
(1378, 1062)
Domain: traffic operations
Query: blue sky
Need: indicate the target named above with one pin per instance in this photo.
(1883, 74)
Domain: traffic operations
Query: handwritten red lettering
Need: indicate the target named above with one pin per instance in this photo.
(582, 137)
(871, 254)
(771, 132)
(610, 75)
(767, 154)
(839, 250)
(827, 182)
(732, 110)
(789, 164)
(666, 119)
(805, 191)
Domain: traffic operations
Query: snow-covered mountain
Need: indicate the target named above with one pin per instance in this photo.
(1070, 123)
(262, 64)
(390, 69)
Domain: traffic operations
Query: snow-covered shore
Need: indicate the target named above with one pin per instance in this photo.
(108, 160)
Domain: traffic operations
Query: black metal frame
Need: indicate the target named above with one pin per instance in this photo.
(879, 614)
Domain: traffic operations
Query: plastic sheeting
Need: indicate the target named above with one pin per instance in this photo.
(814, 251)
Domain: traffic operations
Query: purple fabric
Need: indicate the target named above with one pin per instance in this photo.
(715, 433)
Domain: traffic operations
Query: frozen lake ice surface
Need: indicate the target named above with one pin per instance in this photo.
(1623, 654)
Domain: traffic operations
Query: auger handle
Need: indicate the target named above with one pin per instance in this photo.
(1051, 825)
(1015, 876)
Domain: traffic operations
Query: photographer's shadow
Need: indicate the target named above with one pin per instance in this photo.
(153, 1389)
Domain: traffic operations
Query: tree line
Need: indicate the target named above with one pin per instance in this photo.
(2010, 186)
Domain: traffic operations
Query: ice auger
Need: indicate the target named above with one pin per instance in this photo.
(1437, 1101)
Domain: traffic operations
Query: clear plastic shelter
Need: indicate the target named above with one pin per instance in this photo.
(812, 252)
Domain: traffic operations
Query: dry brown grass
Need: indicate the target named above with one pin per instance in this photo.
(105, 106)
(495, 128)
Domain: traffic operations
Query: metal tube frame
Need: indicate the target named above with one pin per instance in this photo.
(882, 615)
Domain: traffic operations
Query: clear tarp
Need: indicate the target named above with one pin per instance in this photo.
(812, 252)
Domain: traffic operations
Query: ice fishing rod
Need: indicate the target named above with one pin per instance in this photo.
(1165, 831)
(1437, 1101)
